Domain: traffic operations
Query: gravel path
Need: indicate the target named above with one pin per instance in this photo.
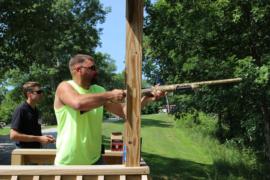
(6, 146)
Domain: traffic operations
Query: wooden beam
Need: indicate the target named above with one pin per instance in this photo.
(76, 170)
(34, 152)
(134, 26)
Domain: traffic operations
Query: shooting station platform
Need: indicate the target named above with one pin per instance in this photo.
(133, 168)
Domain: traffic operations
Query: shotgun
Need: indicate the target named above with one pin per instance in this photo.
(188, 86)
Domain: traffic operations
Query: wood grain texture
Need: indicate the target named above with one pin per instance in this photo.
(72, 170)
(134, 25)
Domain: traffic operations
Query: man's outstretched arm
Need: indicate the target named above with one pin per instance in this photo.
(119, 109)
(67, 95)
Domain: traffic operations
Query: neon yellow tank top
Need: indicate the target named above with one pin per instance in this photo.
(79, 133)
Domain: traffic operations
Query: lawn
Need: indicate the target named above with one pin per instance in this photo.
(174, 153)
(4, 131)
(168, 151)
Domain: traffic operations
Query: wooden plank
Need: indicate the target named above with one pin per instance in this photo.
(122, 177)
(57, 178)
(144, 177)
(73, 170)
(36, 178)
(53, 152)
(14, 177)
(101, 177)
(34, 151)
(134, 25)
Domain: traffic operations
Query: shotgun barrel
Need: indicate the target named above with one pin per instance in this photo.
(188, 86)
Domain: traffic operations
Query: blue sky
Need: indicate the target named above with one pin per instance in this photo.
(114, 32)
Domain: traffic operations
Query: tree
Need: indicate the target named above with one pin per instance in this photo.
(37, 40)
(204, 40)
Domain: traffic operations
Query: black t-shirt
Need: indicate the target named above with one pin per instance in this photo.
(25, 121)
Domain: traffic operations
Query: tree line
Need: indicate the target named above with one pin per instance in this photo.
(207, 40)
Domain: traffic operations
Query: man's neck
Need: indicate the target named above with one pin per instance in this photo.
(80, 82)
(31, 103)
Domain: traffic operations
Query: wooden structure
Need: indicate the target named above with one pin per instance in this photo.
(39, 171)
(46, 157)
(94, 172)
(134, 168)
(116, 141)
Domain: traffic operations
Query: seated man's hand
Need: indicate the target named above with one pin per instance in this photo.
(46, 139)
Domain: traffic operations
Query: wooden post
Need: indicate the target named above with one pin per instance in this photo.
(17, 159)
(134, 26)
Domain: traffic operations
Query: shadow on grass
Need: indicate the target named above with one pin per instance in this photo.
(169, 168)
(156, 123)
(149, 122)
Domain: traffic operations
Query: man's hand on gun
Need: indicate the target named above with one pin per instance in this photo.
(155, 94)
(118, 95)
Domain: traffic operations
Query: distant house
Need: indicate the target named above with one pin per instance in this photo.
(167, 108)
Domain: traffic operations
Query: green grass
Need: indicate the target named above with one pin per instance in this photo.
(4, 131)
(174, 151)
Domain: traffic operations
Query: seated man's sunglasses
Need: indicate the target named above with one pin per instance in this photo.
(38, 91)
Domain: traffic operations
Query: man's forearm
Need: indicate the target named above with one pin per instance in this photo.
(117, 109)
(24, 137)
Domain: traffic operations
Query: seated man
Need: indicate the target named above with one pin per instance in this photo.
(25, 128)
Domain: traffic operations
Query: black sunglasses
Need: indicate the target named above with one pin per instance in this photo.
(38, 91)
(93, 68)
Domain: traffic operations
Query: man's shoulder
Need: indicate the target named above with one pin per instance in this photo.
(21, 107)
(64, 84)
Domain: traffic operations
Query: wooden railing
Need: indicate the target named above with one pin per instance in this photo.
(41, 168)
(37, 164)
(94, 172)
